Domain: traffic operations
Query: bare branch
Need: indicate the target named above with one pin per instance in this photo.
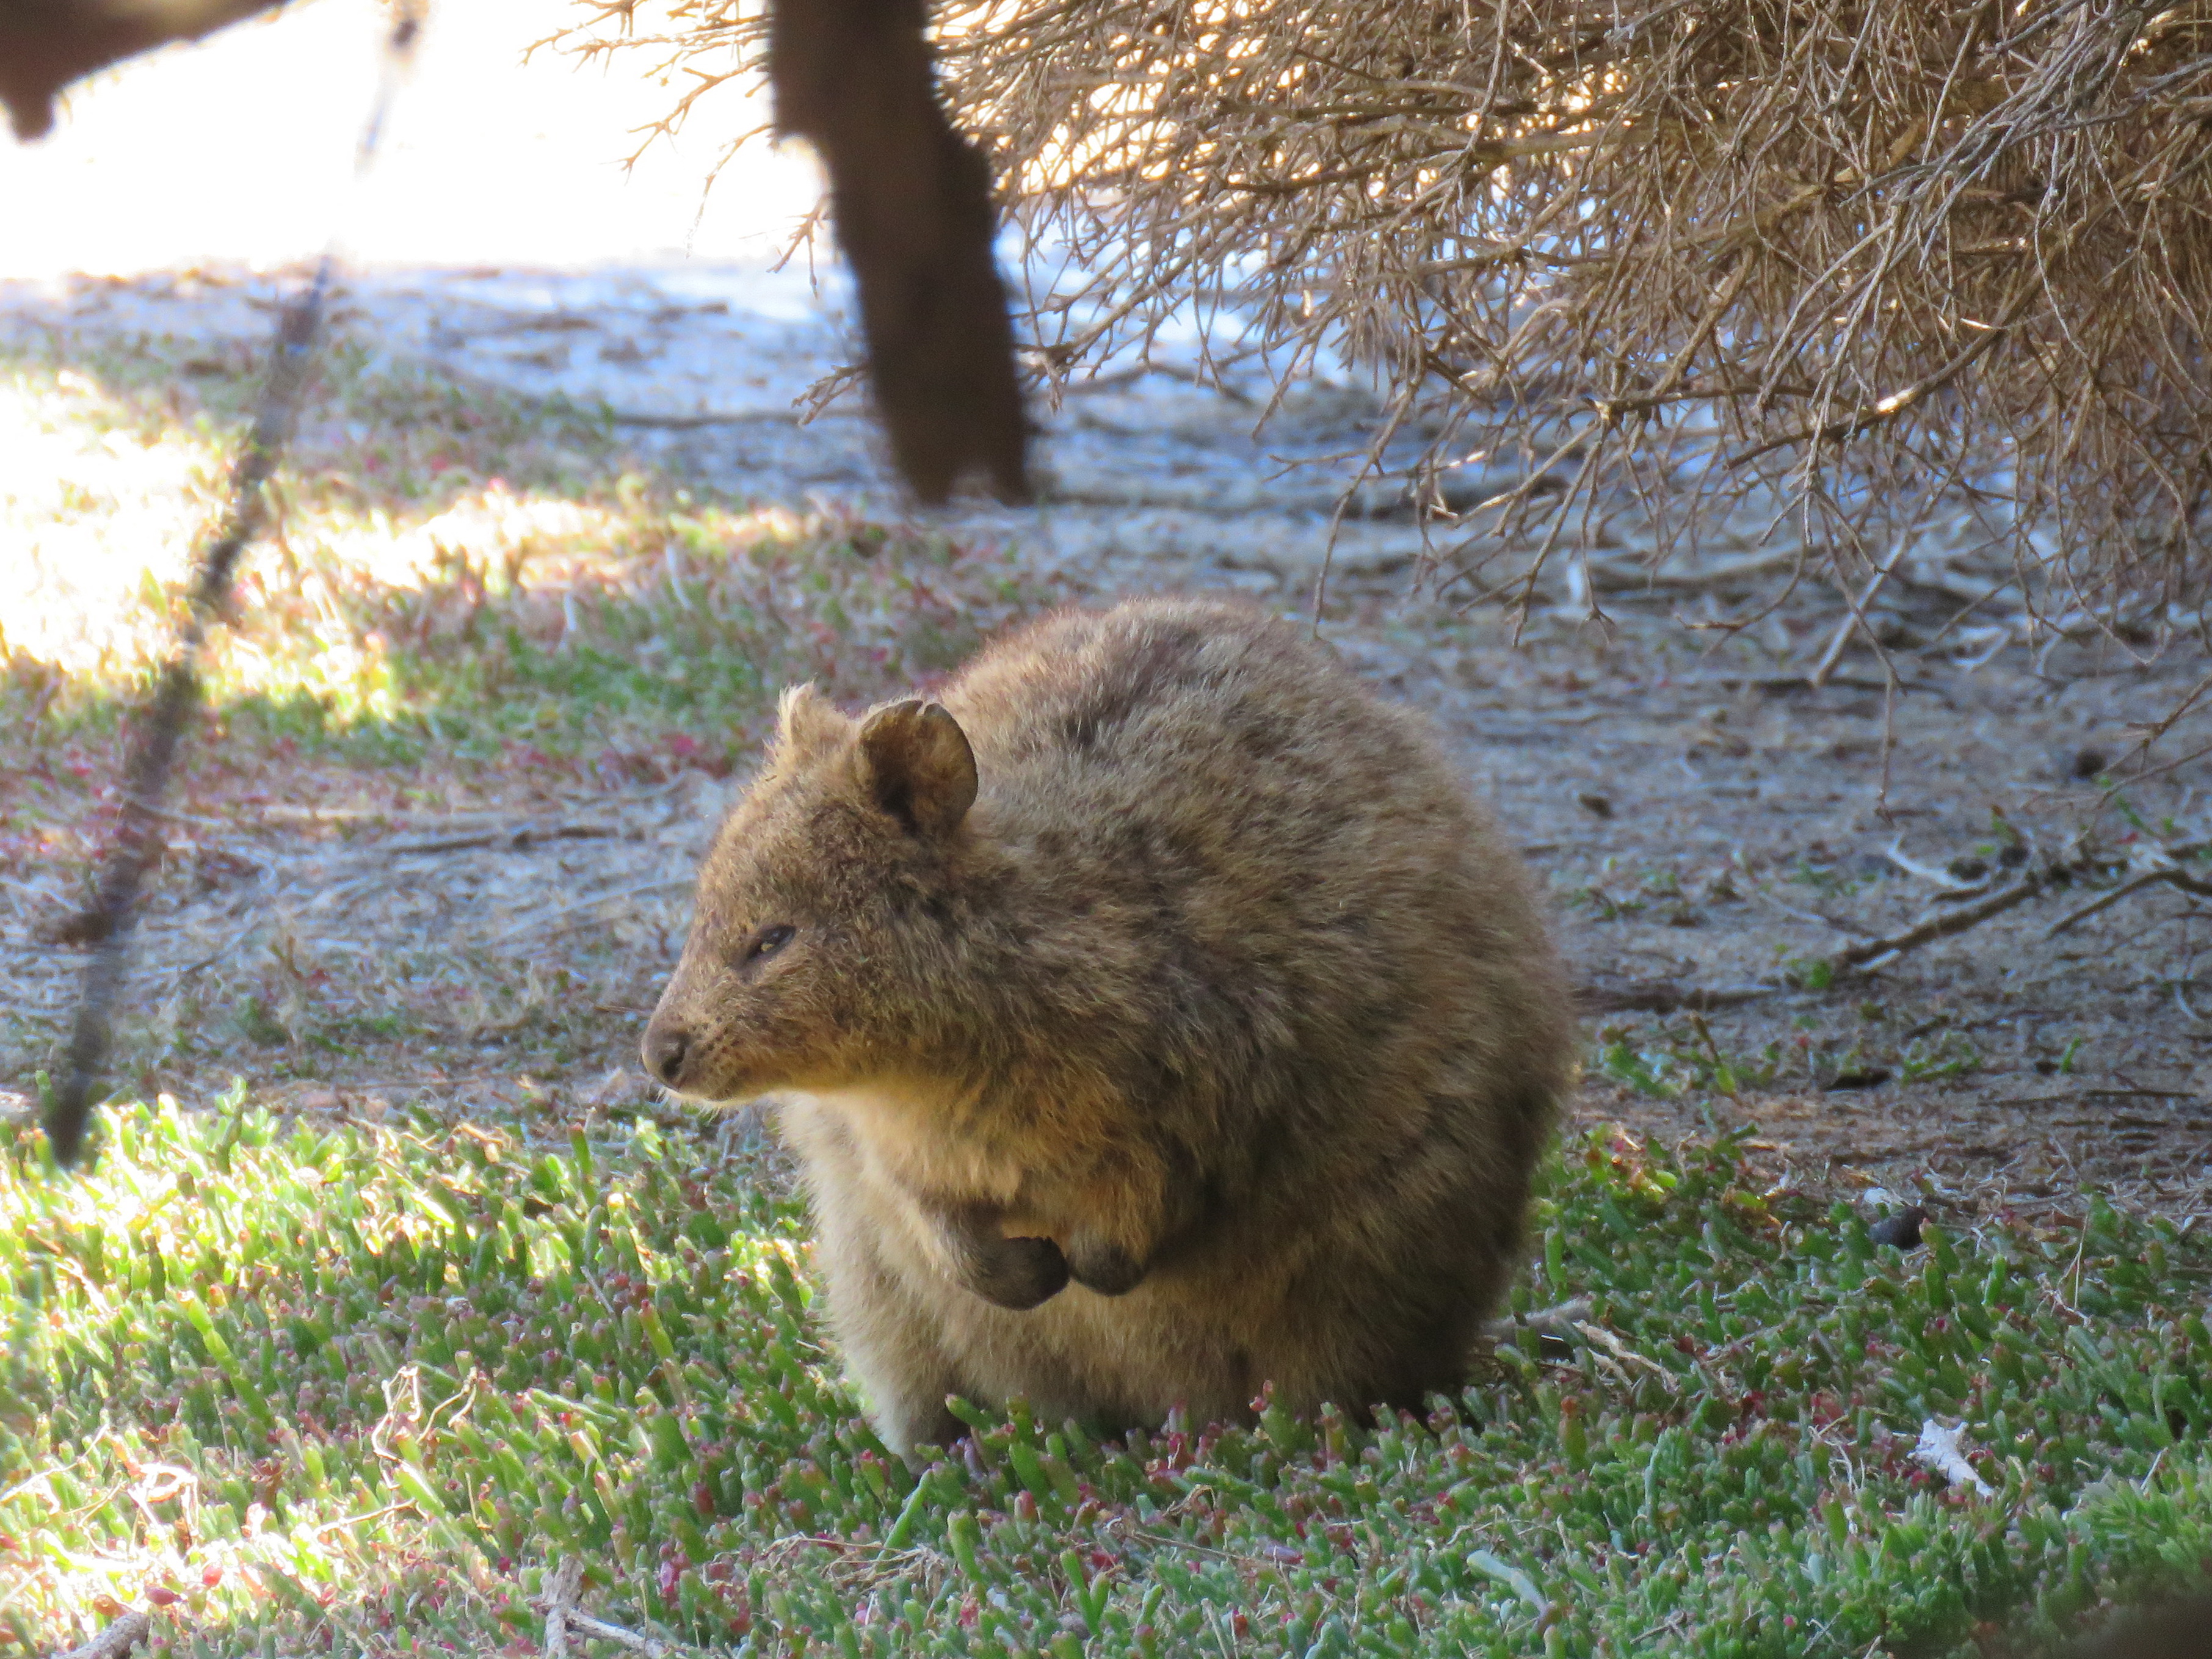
(1867, 952)
(118, 1640)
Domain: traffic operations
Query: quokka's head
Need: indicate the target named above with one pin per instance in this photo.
(822, 920)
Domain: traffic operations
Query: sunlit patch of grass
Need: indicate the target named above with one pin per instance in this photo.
(652, 626)
(98, 520)
(449, 572)
(358, 1389)
(115, 453)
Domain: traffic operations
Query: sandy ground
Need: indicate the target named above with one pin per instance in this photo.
(1711, 826)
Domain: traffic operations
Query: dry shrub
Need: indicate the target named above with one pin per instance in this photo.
(1869, 257)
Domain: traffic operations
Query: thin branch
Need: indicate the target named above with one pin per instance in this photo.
(1665, 996)
(652, 1646)
(118, 1640)
(1867, 952)
(1896, 403)
(2165, 876)
(562, 1586)
(1855, 619)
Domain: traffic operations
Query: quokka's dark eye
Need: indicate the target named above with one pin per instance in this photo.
(768, 941)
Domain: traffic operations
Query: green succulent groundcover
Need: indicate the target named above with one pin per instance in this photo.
(305, 1389)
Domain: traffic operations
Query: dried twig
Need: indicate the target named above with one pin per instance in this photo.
(540, 919)
(1558, 1319)
(1855, 619)
(1841, 924)
(2149, 866)
(1665, 996)
(652, 1646)
(514, 838)
(562, 1587)
(1941, 1449)
(1888, 408)
(694, 423)
(1931, 873)
(1626, 1355)
(118, 1639)
(563, 1619)
(1867, 952)
(2163, 874)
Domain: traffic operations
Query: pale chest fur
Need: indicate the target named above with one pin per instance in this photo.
(897, 1132)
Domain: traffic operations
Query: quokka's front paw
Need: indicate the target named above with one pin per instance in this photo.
(1017, 1273)
(1100, 1265)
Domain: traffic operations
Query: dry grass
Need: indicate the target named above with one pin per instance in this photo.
(1868, 257)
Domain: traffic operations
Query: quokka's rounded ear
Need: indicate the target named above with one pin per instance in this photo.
(915, 762)
(808, 723)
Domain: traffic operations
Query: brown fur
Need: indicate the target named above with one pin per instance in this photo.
(1221, 985)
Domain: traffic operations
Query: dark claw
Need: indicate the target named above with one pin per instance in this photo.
(1106, 1268)
(1018, 1273)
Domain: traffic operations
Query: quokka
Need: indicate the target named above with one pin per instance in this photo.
(1156, 1018)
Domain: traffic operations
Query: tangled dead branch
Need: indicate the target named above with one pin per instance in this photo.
(1856, 255)
(2144, 863)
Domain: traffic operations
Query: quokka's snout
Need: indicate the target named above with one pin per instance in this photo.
(1155, 1017)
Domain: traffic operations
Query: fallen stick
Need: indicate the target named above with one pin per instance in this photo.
(1854, 618)
(531, 923)
(1867, 952)
(1799, 914)
(563, 1620)
(2167, 877)
(1559, 1320)
(1665, 996)
(2153, 865)
(513, 839)
(1624, 1356)
(652, 1646)
(1943, 1450)
(118, 1639)
(562, 1589)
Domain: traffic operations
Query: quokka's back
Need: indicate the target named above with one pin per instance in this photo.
(1165, 941)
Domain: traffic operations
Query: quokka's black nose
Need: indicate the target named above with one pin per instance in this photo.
(664, 1052)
